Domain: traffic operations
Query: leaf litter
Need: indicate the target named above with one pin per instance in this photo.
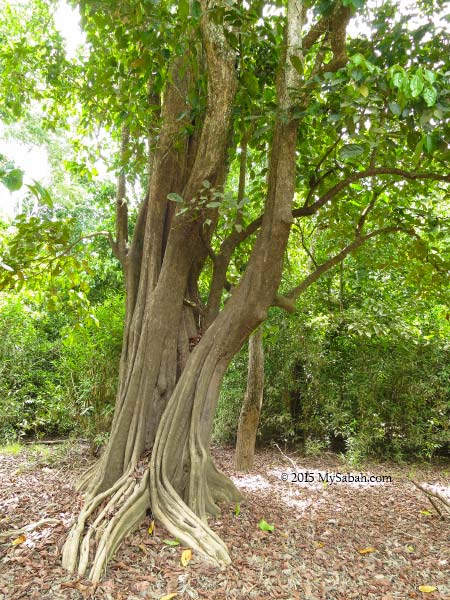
(329, 542)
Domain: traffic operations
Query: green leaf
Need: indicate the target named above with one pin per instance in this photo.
(183, 9)
(418, 153)
(196, 9)
(398, 79)
(358, 59)
(416, 85)
(171, 542)
(364, 91)
(237, 510)
(252, 85)
(13, 180)
(174, 197)
(429, 143)
(206, 184)
(264, 526)
(351, 151)
(394, 107)
(430, 76)
(430, 96)
(354, 4)
(41, 193)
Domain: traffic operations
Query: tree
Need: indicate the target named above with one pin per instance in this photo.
(251, 407)
(192, 78)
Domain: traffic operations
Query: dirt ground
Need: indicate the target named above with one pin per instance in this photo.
(378, 539)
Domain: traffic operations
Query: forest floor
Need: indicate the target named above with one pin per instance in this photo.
(331, 541)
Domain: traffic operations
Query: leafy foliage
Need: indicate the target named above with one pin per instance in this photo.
(57, 379)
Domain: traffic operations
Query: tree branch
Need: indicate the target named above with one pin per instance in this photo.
(306, 249)
(288, 300)
(121, 203)
(236, 238)
(371, 172)
(365, 213)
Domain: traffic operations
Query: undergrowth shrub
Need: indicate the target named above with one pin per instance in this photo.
(88, 367)
(58, 377)
(30, 396)
(328, 385)
(385, 395)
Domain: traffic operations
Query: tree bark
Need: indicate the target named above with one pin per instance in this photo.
(251, 407)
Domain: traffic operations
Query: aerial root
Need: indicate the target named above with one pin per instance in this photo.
(96, 538)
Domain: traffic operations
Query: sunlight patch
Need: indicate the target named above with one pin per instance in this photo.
(251, 482)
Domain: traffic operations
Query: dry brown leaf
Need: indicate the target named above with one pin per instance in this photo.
(427, 589)
(186, 557)
(367, 550)
(20, 540)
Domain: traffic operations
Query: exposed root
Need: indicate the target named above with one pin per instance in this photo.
(221, 487)
(184, 524)
(126, 519)
(439, 502)
(27, 528)
(86, 477)
(99, 530)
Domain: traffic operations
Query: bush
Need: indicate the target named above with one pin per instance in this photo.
(57, 378)
(88, 367)
(384, 395)
(30, 397)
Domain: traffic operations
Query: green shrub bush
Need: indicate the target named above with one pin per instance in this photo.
(57, 378)
(30, 397)
(88, 367)
(383, 395)
(329, 385)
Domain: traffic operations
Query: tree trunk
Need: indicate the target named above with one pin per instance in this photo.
(251, 407)
(158, 452)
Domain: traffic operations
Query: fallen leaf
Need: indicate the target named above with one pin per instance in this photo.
(169, 596)
(426, 513)
(141, 586)
(367, 550)
(20, 540)
(186, 557)
(151, 529)
(264, 526)
(171, 542)
(427, 589)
